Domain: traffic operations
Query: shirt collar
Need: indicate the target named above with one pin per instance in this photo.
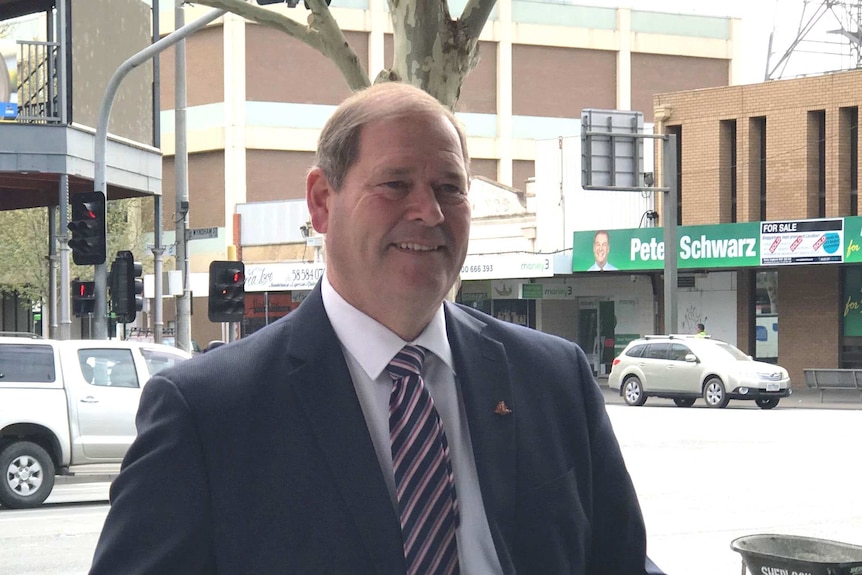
(373, 344)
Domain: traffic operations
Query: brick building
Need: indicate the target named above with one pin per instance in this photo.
(785, 151)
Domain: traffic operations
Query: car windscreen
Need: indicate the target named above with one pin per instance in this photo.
(719, 349)
(734, 351)
(158, 359)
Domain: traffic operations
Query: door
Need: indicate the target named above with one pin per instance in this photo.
(655, 364)
(588, 331)
(104, 403)
(681, 375)
(607, 327)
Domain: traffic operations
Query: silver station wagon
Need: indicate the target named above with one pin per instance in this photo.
(685, 367)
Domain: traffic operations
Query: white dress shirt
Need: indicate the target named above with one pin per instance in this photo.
(368, 347)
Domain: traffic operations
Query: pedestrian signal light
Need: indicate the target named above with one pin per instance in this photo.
(83, 298)
(227, 291)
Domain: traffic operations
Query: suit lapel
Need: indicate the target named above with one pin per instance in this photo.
(483, 378)
(325, 389)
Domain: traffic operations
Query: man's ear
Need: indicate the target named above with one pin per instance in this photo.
(317, 194)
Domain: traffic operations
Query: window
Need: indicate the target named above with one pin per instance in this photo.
(678, 352)
(27, 363)
(108, 367)
(848, 158)
(727, 173)
(658, 350)
(816, 172)
(757, 163)
(636, 351)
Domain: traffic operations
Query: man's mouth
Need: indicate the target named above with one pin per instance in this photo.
(416, 247)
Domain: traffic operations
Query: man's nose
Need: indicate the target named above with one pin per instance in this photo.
(424, 205)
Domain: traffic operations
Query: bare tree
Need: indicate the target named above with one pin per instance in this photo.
(24, 235)
(432, 50)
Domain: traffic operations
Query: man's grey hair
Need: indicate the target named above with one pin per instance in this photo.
(338, 146)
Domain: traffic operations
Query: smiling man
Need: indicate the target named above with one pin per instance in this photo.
(601, 250)
(378, 429)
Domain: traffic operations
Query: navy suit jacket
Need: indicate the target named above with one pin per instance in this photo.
(255, 459)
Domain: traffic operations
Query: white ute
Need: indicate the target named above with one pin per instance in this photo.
(68, 403)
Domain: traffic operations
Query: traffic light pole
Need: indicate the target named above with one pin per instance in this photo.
(183, 337)
(100, 323)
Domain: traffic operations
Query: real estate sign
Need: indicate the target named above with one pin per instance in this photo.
(748, 244)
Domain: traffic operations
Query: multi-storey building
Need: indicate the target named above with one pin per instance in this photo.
(770, 174)
(258, 98)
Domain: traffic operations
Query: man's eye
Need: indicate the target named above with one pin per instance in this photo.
(396, 185)
(450, 193)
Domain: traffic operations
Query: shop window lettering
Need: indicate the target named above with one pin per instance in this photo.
(851, 248)
(852, 306)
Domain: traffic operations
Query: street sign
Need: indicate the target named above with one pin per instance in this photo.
(611, 152)
(202, 234)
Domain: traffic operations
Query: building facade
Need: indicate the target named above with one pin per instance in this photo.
(782, 158)
(257, 100)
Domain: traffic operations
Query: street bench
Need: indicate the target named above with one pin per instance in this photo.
(834, 379)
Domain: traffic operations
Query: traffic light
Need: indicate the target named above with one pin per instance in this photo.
(83, 298)
(127, 287)
(227, 291)
(88, 228)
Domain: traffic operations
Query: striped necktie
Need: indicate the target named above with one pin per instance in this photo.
(423, 472)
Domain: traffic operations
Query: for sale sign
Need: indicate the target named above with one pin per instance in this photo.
(802, 242)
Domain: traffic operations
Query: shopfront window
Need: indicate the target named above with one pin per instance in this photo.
(766, 316)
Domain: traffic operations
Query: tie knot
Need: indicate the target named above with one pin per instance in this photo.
(406, 362)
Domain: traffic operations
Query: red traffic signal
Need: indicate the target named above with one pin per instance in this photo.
(227, 291)
(84, 289)
(87, 224)
(83, 298)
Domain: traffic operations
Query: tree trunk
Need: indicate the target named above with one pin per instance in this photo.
(431, 51)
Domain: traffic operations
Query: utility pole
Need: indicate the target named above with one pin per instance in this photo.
(181, 178)
(100, 323)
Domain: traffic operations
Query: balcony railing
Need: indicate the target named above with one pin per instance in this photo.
(39, 81)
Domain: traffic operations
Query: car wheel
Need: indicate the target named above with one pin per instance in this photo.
(714, 393)
(683, 401)
(28, 475)
(633, 391)
(767, 402)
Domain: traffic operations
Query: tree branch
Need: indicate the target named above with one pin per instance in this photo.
(475, 15)
(322, 33)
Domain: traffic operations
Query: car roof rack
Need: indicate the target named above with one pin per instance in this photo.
(678, 336)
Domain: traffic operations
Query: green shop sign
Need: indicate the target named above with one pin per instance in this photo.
(747, 244)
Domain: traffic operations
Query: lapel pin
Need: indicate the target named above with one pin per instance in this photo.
(502, 409)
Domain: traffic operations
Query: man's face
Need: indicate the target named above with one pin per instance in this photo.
(397, 231)
(601, 248)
